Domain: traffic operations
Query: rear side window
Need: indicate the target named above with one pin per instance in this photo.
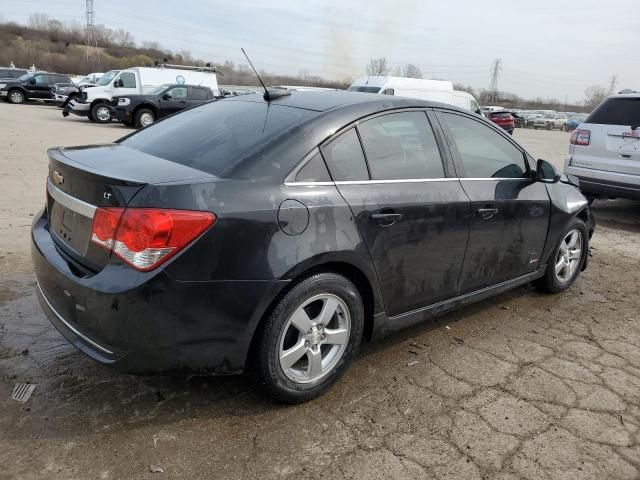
(345, 158)
(314, 171)
(616, 111)
(198, 94)
(218, 137)
(401, 146)
(482, 151)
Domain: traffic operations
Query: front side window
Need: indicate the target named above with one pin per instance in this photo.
(128, 79)
(345, 158)
(178, 93)
(389, 91)
(482, 151)
(41, 79)
(401, 146)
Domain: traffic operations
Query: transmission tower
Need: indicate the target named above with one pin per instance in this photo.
(90, 17)
(612, 84)
(493, 84)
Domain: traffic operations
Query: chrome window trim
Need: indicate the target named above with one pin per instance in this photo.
(68, 325)
(72, 203)
(401, 180)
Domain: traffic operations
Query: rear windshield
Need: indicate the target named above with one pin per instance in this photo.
(356, 88)
(501, 115)
(217, 137)
(616, 111)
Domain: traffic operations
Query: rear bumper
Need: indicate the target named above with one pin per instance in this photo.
(149, 322)
(601, 183)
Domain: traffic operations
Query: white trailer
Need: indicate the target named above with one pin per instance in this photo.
(432, 90)
(94, 102)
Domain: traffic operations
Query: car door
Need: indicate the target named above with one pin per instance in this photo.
(173, 101)
(409, 208)
(126, 84)
(40, 88)
(510, 210)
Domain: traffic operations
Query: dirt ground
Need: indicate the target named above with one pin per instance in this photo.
(524, 385)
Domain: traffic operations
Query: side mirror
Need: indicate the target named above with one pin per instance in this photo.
(166, 96)
(545, 172)
(32, 81)
(118, 83)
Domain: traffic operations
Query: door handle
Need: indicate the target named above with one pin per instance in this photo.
(386, 219)
(487, 213)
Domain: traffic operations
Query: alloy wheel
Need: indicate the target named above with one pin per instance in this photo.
(314, 338)
(568, 256)
(16, 97)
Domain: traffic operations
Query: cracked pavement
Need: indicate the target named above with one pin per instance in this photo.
(522, 386)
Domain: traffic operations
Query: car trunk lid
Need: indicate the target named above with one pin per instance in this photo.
(83, 179)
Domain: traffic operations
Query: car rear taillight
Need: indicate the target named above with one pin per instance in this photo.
(580, 137)
(147, 237)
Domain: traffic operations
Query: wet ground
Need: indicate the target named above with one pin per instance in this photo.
(524, 385)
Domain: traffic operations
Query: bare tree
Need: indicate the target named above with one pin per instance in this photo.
(594, 95)
(377, 66)
(411, 71)
(123, 38)
(39, 21)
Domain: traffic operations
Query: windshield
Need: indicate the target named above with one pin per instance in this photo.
(24, 77)
(219, 137)
(361, 88)
(107, 77)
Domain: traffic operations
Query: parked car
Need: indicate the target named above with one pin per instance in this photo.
(256, 234)
(550, 121)
(36, 85)
(423, 89)
(63, 93)
(142, 110)
(11, 73)
(604, 151)
(502, 118)
(530, 118)
(95, 102)
(518, 119)
(573, 122)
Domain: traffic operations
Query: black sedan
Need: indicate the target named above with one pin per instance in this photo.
(142, 110)
(277, 235)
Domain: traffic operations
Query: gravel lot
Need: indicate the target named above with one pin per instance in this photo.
(524, 385)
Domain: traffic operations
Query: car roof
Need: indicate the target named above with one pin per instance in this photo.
(321, 101)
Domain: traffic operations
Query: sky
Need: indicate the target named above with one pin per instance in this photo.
(549, 48)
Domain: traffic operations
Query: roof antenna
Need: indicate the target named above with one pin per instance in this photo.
(268, 96)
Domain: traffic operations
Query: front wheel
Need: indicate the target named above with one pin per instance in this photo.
(16, 96)
(100, 113)
(310, 338)
(144, 117)
(567, 259)
(549, 126)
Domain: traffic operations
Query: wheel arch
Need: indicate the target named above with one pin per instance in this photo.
(148, 106)
(368, 290)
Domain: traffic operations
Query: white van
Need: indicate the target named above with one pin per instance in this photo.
(94, 102)
(433, 90)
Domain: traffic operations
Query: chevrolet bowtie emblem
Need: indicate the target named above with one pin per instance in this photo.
(57, 177)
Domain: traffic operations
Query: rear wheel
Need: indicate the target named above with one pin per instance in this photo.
(144, 117)
(16, 96)
(567, 259)
(101, 113)
(310, 338)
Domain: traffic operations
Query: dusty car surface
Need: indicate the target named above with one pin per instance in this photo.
(276, 235)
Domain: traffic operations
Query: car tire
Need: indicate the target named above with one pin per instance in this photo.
(144, 117)
(100, 113)
(561, 270)
(16, 96)
(292, 379)
(549, 126)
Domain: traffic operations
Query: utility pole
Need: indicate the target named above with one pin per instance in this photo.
(612, 84)
(493, 84)
(90, 18)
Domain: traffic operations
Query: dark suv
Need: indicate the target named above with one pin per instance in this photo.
(142, 110)
(36, 85)
(11, 73)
